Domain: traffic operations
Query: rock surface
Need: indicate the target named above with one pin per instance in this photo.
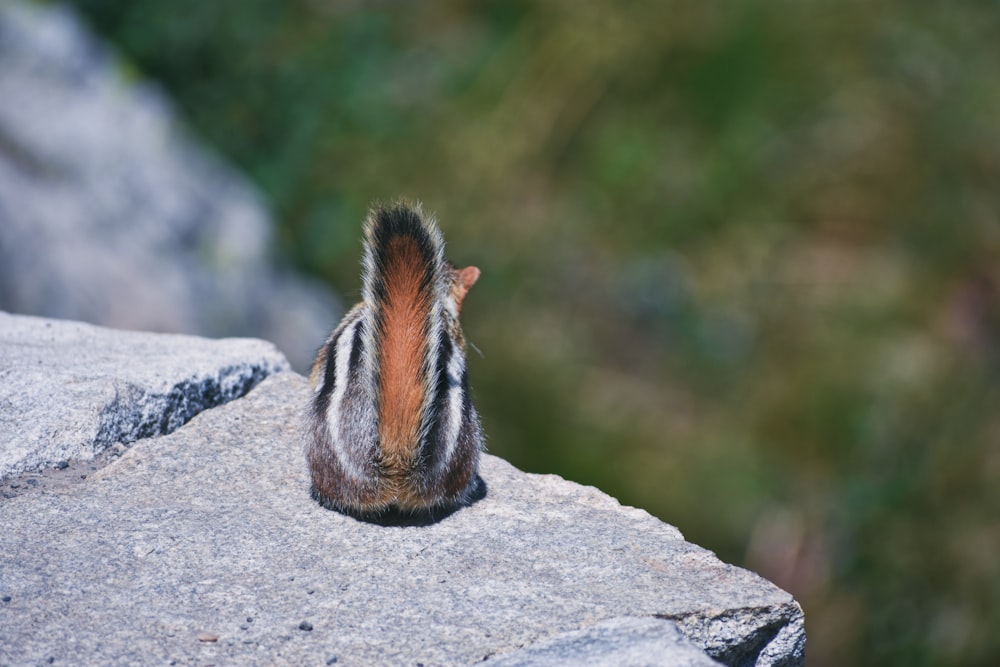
(203, 547)
(109, 212)
(70, 390)
(618, 641)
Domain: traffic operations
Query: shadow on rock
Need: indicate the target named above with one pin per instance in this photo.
(414, 518)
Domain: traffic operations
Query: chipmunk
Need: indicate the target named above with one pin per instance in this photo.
(391, 425)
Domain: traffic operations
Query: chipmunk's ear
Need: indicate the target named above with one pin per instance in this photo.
(465, 279)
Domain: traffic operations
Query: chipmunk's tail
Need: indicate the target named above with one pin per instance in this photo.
(403, 282)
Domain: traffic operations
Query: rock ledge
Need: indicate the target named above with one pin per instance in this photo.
(70, 390)
(202, 546)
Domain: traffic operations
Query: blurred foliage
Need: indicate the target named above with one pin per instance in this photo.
(740, 260)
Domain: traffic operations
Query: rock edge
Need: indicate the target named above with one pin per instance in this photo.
(70, 390)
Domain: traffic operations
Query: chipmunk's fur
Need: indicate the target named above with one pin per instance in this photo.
(391, 425)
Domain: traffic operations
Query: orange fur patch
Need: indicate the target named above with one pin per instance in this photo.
(404, 317)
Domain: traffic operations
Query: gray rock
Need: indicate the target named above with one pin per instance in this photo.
(69, 390)
(110, 213)
(203, 546)
(618, 642)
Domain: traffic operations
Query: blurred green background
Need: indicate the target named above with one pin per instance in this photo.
(740, 260)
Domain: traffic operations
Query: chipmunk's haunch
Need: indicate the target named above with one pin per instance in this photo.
(391, 425)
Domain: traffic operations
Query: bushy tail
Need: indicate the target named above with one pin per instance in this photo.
(403, 267)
